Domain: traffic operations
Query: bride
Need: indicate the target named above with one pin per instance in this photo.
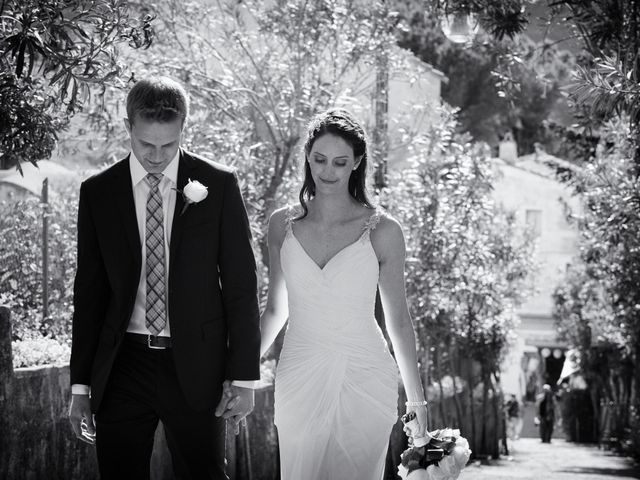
(336, 388)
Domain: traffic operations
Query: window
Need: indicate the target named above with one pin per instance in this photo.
(534, 221)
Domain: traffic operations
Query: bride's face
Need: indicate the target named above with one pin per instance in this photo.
(331, 162)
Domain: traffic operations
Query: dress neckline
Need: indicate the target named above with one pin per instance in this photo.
(369, 225)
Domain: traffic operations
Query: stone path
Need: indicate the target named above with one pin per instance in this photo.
(532, 460)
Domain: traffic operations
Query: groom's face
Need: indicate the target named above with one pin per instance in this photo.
(154, 143)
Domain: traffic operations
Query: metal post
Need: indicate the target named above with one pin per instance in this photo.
(45, 249)
(381, 101)
(244, 430)
(6, 356)
(381, 110)
(6, 388)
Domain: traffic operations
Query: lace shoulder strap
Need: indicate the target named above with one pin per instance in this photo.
(373, 220)
(292, 212)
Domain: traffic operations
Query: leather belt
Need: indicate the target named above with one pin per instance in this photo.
(151, 341)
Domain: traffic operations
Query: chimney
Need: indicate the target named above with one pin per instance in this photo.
(508, 149)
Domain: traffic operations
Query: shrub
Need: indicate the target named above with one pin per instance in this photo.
(596, 308)
(40, 351)
(21, 263)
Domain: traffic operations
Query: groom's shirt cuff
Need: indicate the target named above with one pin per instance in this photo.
(253, 384)
(79, 389)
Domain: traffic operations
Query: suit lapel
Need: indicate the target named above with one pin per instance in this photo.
(185, 170)
(126, 205)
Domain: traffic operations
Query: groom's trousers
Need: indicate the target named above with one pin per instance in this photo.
(143, 389)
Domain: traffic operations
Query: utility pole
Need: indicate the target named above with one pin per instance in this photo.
(380, 135)
(45, 248)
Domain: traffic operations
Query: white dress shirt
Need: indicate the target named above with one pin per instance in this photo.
(167, 187)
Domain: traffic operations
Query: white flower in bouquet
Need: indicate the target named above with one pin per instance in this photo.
(434, 472)
(450, 432)
(418, 475)
(461, 452)
(450, 466)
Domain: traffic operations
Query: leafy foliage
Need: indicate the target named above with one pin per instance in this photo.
(607, 82)
(28, 128)
(51, 54)
(39, 351)
(468, 265)
(513, 85)
(468, 268)
(21, 264)
(505, 18)
(607, 88)
(257, 75)
(597, 309)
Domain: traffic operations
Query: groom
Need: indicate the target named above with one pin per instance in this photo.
(166, 319)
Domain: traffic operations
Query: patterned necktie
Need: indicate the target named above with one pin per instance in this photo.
(156, 317)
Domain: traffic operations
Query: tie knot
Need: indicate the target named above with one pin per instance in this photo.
(153, 179)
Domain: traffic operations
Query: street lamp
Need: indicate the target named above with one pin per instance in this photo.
(459, 27)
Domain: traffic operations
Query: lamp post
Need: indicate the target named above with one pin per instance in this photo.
(381, 111)
(459, 26)
(380, 133)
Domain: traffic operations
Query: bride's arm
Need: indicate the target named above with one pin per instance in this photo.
(276, 311)
(388, 241)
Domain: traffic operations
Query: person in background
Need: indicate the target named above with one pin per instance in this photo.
(546, 413)
(514, 419)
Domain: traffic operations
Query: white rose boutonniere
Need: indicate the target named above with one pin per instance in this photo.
(193, 192)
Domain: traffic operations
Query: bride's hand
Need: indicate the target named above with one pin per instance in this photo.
(422, 418)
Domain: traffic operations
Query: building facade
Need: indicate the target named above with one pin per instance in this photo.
(528, 187)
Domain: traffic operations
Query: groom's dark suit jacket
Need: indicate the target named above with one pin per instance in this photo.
(212, 289)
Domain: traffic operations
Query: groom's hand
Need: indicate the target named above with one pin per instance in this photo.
(236, 403)
(81, 418)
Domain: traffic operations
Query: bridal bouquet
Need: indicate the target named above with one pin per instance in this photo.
(440, 455)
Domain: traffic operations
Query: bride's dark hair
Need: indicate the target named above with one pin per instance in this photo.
(340, 122)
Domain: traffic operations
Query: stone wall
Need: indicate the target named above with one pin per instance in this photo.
(42, 444)
(36, 440)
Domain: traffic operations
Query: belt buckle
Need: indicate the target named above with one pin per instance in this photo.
(154, 347)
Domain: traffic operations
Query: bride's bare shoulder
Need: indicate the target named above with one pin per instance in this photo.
(387, 236)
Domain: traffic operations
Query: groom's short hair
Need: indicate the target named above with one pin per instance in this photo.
(160, 99)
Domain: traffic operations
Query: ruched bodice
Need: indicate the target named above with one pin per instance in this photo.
(336, 382)
(333, 306)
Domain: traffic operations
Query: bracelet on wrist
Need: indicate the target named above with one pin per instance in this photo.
(416, 404)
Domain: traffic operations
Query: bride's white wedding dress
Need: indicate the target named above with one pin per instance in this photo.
(336, 387)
